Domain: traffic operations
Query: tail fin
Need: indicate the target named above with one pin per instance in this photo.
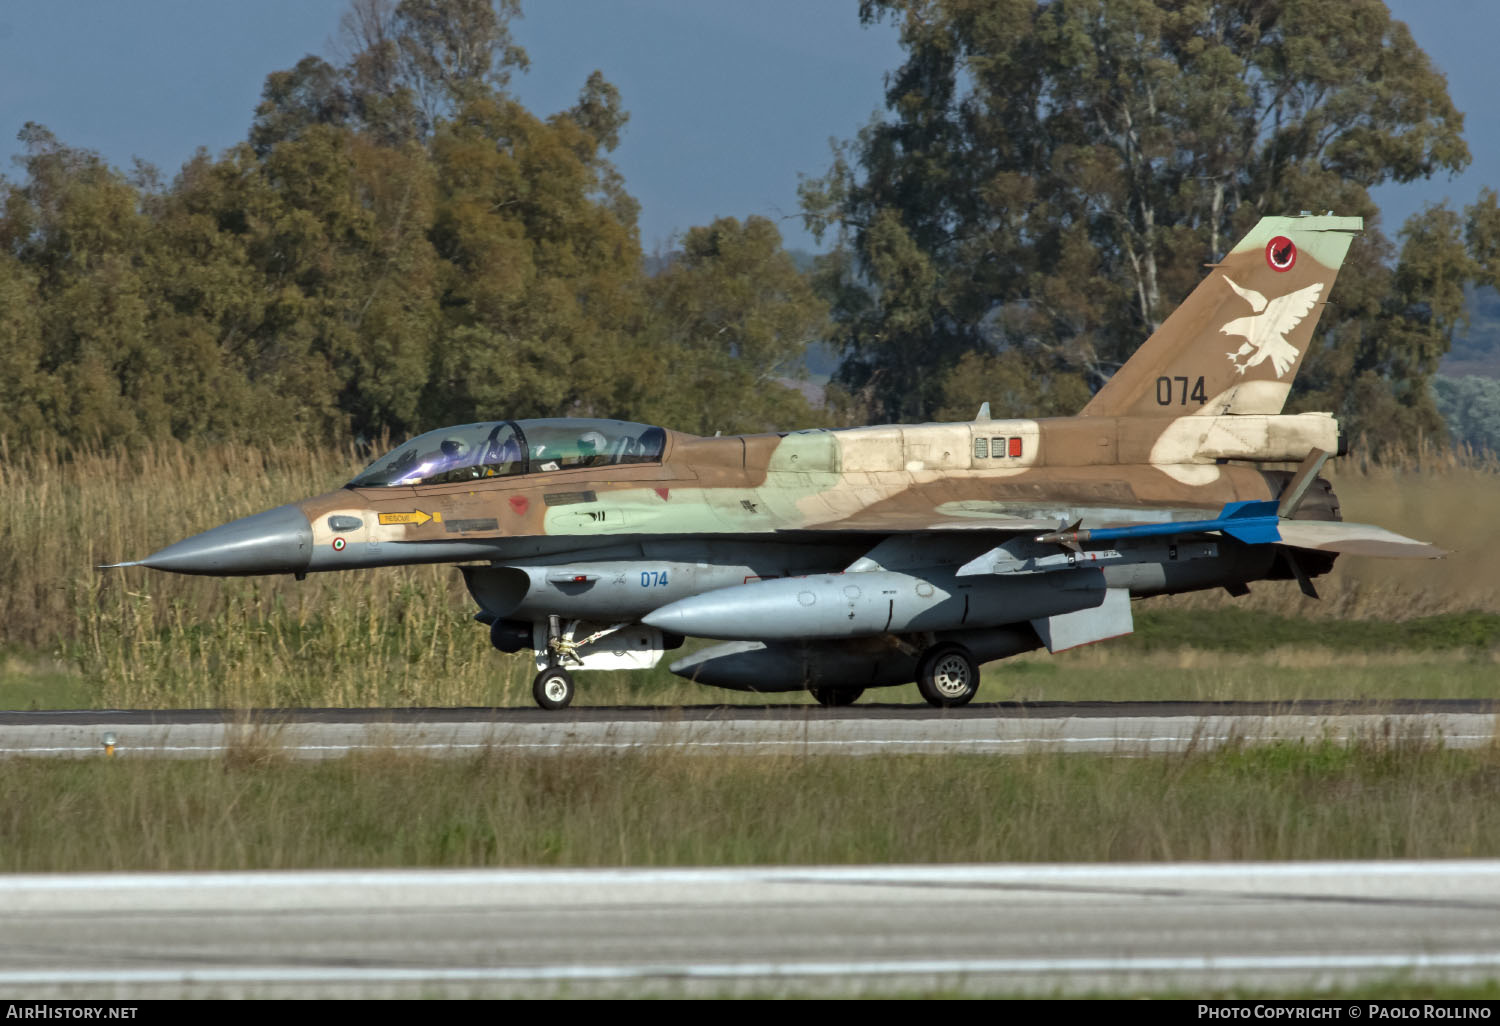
(1236, 342)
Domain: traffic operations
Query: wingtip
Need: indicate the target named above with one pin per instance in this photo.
(117, 566)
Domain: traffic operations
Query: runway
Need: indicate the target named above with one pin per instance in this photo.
(1133, 728)
(993, 929)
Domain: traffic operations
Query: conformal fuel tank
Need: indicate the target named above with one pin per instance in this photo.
(850, 663)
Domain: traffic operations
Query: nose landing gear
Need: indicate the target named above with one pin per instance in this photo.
(553, 688)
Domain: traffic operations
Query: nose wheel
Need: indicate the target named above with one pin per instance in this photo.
(553, 688)
(947, 676)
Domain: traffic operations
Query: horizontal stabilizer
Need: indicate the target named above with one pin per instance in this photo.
(1256, 523)
(1354, 540)
(1109, 619)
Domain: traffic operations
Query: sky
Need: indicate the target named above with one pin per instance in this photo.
(730, 101)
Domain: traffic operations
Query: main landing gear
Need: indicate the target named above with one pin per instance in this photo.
(947, 675)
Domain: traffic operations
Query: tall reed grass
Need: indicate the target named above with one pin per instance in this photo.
(405, 635)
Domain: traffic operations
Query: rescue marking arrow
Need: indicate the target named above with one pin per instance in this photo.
(416, 516)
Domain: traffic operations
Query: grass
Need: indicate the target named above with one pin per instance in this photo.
(1239, 630)
(73, 636)
(473, 675)
(254, 810)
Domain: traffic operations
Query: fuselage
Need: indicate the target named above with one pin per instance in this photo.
(828, 488)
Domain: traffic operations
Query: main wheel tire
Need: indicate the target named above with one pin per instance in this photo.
(947, 676)
(553, 688)
(834, 697)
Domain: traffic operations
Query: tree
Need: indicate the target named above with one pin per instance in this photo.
(1470, 406)
(399, 244)
(1052, 175)
(729, 321)
(312, 93)
(76, 230)
(25, 391)
(540, 273)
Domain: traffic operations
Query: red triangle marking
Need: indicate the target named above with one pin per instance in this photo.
(519, 503)
(665, 493)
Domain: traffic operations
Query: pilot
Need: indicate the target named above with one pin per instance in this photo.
(650, 444)
(504, 460)
(435, 464)
(451, 457)
(591, 449)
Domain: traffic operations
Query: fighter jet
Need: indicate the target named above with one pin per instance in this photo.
(841, 560)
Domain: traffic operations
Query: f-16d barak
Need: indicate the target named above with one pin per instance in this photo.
(843, 560)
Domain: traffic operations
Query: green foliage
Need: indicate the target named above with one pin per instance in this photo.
(398, 244)
(729, 321)
(1476, 345)
(1470, 406)
(1051, 176)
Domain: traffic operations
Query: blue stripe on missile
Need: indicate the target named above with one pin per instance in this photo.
(1252, 522)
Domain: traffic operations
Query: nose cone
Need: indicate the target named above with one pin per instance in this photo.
(277, 541)
(733, 613)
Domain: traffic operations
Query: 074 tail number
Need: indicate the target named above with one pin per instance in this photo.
(1167, 388)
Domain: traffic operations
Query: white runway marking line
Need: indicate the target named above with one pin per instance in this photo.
(752, 970)
(948, 873)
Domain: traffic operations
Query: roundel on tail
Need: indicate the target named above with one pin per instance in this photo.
(1281, 253)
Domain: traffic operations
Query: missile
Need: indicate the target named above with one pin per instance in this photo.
(1254, 522)
(854, 605)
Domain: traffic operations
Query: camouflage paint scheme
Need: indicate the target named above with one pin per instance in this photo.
(1179, 434)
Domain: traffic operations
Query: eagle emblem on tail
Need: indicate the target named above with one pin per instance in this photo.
(1265, 332)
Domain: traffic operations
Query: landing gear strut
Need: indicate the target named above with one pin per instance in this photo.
(947, 675)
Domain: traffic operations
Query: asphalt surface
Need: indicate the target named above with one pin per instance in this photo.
(1098, 727)
(782, 711)
(1110, 929)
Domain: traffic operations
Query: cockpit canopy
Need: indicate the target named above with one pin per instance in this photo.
(501, 448)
